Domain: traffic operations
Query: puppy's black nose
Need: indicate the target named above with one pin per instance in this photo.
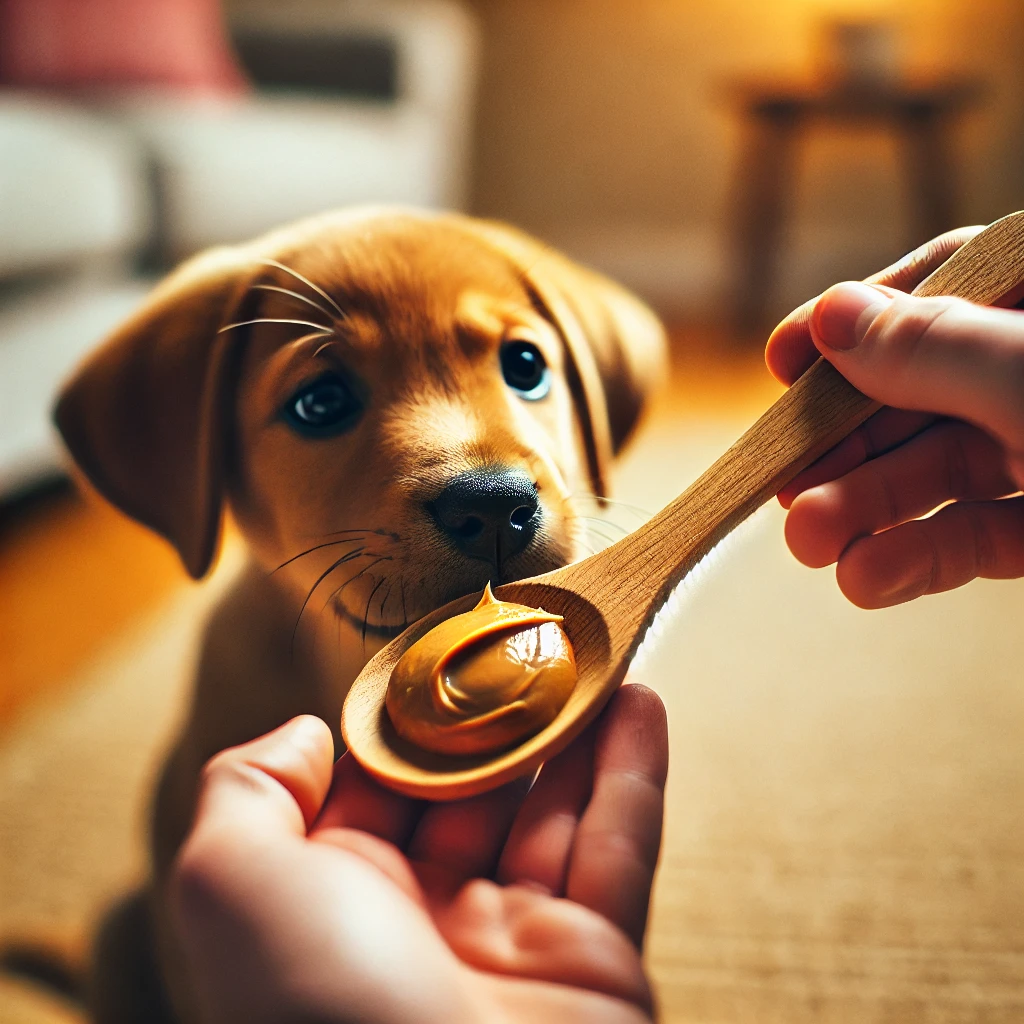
(488, 513)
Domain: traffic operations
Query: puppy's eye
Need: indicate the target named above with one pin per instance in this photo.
(524, 369)
(327, 406)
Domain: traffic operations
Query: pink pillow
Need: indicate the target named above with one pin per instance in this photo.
(75, 44)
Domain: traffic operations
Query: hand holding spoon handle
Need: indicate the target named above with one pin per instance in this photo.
(814, 415)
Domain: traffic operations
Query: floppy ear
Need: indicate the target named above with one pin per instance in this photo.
(615, 345)
(147, 416)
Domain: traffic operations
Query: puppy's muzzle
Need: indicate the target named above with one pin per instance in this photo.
(490, 514)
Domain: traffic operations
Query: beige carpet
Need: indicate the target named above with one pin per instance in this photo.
(845, 839)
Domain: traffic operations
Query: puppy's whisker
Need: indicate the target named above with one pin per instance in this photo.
(604, 522)
(324, 328)
(378, 531)
(366, 614)
(307, 337)
(603, 537)
(635, 509)
(298, 620)
(327, 572)
(334, 593)
(331, 597)
(295, 295)
(317, 547)
(309, 284)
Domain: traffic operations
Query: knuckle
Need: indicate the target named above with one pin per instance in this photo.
(613, 845)
(194, 879)
(1013, 377)
(888, 500)
(228, 768)
(984, 548)
(221, 765)
(907, 324)
(224, 765)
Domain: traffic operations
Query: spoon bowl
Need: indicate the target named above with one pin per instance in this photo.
(609, 599)
(416, 772)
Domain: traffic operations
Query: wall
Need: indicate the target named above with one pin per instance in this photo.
(605, 126)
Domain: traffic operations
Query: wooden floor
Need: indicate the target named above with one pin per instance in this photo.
(73, 573)
(844, 835)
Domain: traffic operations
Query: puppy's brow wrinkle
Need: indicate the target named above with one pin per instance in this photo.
(306, 281)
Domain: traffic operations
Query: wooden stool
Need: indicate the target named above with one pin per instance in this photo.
(776, 115)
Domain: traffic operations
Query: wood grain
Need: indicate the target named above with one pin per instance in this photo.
(610, 599)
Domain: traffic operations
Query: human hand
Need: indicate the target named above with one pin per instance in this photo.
(951, 375)
(309, 892)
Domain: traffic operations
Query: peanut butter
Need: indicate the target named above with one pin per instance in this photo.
(483, 680)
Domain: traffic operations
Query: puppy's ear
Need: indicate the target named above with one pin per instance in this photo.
(147, 416)
(615, 345)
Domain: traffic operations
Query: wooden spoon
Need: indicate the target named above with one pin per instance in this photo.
(609, 599)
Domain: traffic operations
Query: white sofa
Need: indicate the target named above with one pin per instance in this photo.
(86, 189)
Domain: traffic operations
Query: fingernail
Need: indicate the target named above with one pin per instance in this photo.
(844, 313)
(301, 732)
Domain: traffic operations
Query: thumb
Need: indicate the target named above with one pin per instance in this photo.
(271, 787)
(939, 355)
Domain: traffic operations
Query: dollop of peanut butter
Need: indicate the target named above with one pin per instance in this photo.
(483, 680)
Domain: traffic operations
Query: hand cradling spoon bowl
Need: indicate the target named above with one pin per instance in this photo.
(609, 599)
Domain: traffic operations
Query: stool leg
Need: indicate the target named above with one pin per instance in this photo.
(761, 190)
(930, 175)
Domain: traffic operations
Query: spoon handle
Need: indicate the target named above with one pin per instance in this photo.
(814, 415)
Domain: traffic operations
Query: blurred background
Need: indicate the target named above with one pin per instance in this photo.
(844, 839)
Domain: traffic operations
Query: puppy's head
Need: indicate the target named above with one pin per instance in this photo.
(397, 407)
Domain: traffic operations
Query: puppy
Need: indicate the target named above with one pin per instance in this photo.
(395, 407)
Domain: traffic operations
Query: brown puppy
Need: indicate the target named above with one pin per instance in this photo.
(395, 407)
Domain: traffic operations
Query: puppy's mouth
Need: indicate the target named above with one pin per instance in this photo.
(469, 577)
(361, 624)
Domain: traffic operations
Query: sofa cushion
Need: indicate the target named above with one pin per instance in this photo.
(72, 186)
(230, 169)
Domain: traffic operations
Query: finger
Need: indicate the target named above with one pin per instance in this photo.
(882, 432)
(611, 869)
(516, 932)
(271, 787)
(790, 349)
(959, 543)
(938, 355)
(357, 801)
(540, 843)
(466, 837)
(907, 273)
(951, 460)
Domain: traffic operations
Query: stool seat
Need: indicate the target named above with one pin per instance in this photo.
(776, 113)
